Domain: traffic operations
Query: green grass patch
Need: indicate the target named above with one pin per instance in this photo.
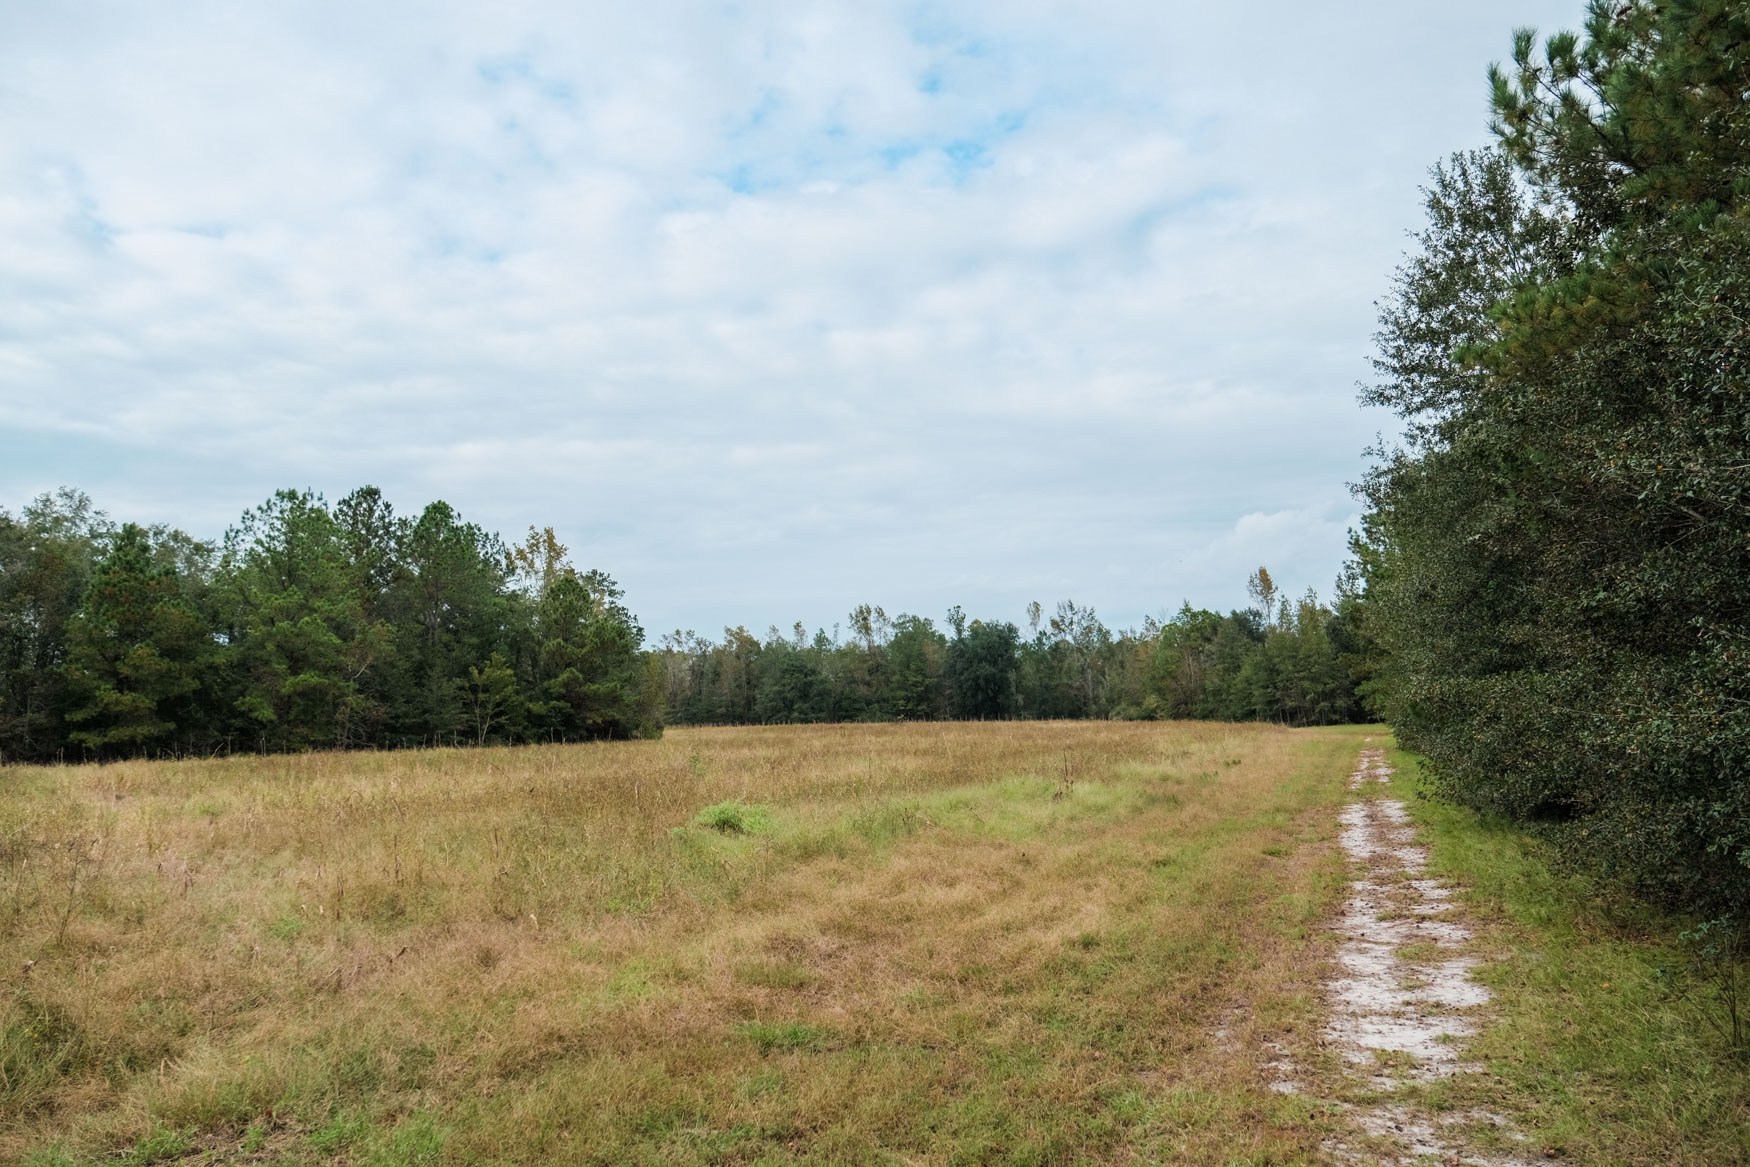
(164, 1143)
(287, 928)
(735, 818)
(339, 1132)
(1027, 807)
(771, 1037)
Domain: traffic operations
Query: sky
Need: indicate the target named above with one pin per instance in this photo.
(768, 309)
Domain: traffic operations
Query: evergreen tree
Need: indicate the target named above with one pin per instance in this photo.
(912, 682)
(295, 619)
(47, 554)
(983, 659)
(136, 648)
(590, 679)
(793, 685)
(451, 612)
(315, 628)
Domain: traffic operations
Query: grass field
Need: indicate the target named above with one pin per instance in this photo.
(924, 944)
(991, 943)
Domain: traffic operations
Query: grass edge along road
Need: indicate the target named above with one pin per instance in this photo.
(1601, 1046)
(1007, 942)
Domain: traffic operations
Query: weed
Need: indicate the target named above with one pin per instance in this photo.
(413, 1066)
(887, 823)
(40, 1046)
(734, 818)
(759, 1085)
(773, 974)
(1720, 957)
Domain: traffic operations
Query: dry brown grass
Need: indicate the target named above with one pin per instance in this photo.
(1021, 942)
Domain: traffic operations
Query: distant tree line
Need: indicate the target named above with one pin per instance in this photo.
(1290, 662)
(1557, 562)
(308, 627)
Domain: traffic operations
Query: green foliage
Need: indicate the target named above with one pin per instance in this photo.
(1555, 564)
(319, 627)
(339, 1132)
(287, 928)
(1243, 667)
(983, 659)
(1299, 665)
(316, 627)
(300, 640)
(914, 670)
(584, 656)
(47, 555)
(490, 697)
(735, 818)
(1607, 1043)
(135, 651)
(416, 1139)
(450, 605)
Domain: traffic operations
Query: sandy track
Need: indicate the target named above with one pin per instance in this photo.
(1403, 1000)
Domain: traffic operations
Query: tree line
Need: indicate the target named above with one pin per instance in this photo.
(311, 626)
(1556, 560)
(306, 627)
(1286, 661)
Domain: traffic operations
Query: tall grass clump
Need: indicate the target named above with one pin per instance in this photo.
(734, 818)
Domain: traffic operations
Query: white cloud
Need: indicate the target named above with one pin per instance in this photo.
(770, 309)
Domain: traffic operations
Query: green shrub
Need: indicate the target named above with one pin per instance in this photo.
(734, 818)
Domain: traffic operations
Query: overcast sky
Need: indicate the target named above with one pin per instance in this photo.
(770, 309)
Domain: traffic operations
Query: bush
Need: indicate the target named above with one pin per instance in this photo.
(733, 818)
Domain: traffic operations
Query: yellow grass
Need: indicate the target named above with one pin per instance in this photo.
(1002, 943)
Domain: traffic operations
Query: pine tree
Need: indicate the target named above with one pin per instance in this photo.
(136, 648)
